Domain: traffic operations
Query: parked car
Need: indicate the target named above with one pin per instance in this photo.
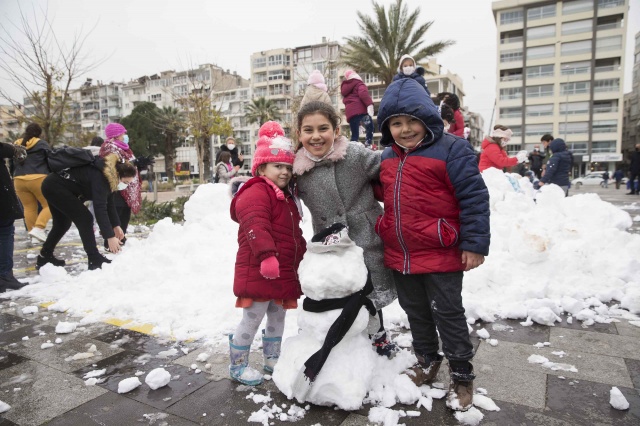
(588, 180)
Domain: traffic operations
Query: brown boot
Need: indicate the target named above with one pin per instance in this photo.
(460, 396)
(425, 370)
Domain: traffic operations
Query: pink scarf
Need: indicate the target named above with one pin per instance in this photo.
(123, 146)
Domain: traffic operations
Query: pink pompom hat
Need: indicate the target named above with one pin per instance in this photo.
(272, 147)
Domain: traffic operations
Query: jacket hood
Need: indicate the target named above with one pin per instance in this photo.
(558, 145)
(31, 143)
(347, 86)
(486, 142)
(407, 97)
(402, 59)
(109, 171)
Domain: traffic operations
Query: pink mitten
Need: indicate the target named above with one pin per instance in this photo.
(270, 268)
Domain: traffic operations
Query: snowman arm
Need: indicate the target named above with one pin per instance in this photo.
(253, 210)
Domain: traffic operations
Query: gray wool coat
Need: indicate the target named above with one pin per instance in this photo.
(338, 189)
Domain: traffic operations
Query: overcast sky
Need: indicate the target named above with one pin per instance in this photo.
(144, 37)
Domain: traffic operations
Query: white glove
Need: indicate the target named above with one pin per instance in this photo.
(370, 110)
(521, 156)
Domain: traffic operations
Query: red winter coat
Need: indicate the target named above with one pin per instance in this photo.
(494, 156)
(355, 97)
(269, 226)
(457, 127)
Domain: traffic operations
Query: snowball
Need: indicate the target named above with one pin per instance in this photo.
(471, 417)
(157, 378)
(483, 333)
(46, 345)
(617, 399)
(493, 342)
(203, 357)
(127, 385)
(66, 327)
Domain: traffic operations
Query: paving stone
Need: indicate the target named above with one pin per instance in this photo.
(11, 338)
(113, 409)
(8, 359)
(355, 420)
(135, 341)
(514, 385)
(515, 414)
(10, 322)
(225, 403)
(511, 331)
(5, 422)
(596, 343)
(626, 329)
(218, 363)
(127, 363)
(587, 403)
(598, 368)
(609, 328)
(45, 393)
(56, 356)
(633, 365)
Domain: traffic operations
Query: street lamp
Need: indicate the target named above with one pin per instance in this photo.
(566, 104)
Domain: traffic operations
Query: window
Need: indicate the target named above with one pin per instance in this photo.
(511, 75)
(541, 12)
(576, 47)
(609, 43)
(577, 27)
(260, 77)
(278, 60)
(260, 92)
(279, 75)
(276, 89)
(610, 3)
(541, 32)
(569, 7)
(370, 78)
(574, 128)
(540, 71)
(541, 52)
(510, 37)
(156, 97)
(260, 62)
(574, 108)
(605, 126)
(229, 96)
(577, 147)
(603, 107)
(511, 112)
(538, 129)
(540, 91)
(608, 85)
(511, 55)
(511, 17)
(517, 130)
(603, 146)
(511, 93)
(539, 110)
(574, 88)
(303, 55)
(582, 67)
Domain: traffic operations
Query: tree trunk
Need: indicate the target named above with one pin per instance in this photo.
(169, 157)
(206, 158)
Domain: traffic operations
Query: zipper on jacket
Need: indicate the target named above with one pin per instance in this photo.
(406, 266)
(295, 240)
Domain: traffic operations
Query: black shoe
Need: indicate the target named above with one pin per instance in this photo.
(10, 282)
(43, 260)
(96, 261)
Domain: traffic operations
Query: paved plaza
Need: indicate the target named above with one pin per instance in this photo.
(48, 386)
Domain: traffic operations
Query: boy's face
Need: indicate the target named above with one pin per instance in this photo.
(407, 131)
(406, 63)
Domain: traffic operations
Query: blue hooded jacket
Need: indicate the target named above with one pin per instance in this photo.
(559, 165)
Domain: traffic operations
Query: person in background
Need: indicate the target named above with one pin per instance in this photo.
(605, 178)
(558, 166)
(10, 212)
(536, 159)
(457, 126)
(358, 106)
(618, 175)
(545, 140)
(316, 89)
(237, 159)
(634, 171)
(28, 176)
(407, 68)
(493, 150)
(151, 177)
(67, 190)
(225, 171)
(94, 146)
(446, 112)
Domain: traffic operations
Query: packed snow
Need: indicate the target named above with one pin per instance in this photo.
(617, 399)
(127, 385)
(157, 378)
(4, 407)
(549, 256)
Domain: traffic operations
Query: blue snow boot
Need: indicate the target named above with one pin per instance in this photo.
(239, 369)
(271, 351)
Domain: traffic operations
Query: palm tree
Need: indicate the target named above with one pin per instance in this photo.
(262, 110)
(385, 37)
(171, 122)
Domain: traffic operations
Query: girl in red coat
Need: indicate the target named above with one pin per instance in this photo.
(493, 152)
(271, 246)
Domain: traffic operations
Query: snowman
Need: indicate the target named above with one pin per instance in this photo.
(329, 361)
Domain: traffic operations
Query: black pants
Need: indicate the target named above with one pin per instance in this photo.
(123, 210)
(434, 301)
(67, 208)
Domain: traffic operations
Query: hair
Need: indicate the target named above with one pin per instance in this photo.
(497, 139)
(453, 101)
(317, 107)
(225, 156)
(33, 130)
(447, 113)
(230, 138)
(547, 138)
(97, 141)
(126, 169)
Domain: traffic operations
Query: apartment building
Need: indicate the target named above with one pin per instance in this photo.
(631, 115)
(11, 123)
(561, 70)
(93, 106)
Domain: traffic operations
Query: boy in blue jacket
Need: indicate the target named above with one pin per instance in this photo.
(435, 226)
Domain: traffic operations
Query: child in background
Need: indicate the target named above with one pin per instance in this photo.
(358, 106)
(334, 178)
(435, 226)
(408, 68)
(446, 113)
(270, 249)
(316, 89)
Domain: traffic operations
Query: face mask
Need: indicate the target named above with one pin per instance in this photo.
(126, 139)
(122, 186)
(408, 70)
(504, 142)
(231, 146)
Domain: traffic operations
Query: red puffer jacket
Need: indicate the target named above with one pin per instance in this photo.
(494, 156)
(457, 127)
(269, 226)
(355, 97)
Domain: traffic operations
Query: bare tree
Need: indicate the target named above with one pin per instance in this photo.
(42, 67)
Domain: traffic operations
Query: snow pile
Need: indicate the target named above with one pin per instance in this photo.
(157, 378)
(617, 399)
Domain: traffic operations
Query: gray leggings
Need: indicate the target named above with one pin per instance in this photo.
(252, 317)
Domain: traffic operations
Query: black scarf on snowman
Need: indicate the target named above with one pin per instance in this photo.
(350, 306)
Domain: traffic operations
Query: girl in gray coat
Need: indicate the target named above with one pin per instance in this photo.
(334, 179)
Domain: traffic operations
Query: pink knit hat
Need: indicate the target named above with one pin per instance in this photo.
(114, 130)
(349, 74)
(317, 79)
(272, 147)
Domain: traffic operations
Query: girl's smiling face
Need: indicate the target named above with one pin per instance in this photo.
(316, 134)
(407, 131)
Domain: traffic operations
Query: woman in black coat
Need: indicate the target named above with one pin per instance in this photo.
(66, 193)
(10, 211)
